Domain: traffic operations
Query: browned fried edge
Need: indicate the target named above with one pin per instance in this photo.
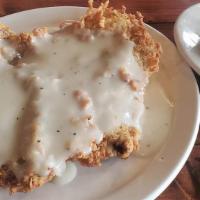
(130, 26)
(122, 142)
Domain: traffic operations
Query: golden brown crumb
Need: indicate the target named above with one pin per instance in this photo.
(5, 31)
(40, 31)
(121, 143)
(25, 184)
(133, 85)
(82, 98)
(126, 77)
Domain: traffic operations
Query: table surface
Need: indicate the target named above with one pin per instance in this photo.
(160, 14)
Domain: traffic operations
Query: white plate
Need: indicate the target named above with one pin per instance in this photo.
(187, 36)
(138, 177)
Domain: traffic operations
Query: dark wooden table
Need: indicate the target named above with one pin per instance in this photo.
(160, 14)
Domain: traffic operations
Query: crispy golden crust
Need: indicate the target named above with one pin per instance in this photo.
(130, 26)
(5, 31)
(18, 41)
(121, 142)
(26, 184)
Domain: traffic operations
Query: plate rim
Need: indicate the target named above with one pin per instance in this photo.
(178, 40)
(176, 169)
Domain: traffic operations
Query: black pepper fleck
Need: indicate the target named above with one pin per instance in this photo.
(17, 118)
(58, 131)
(54, 53)
(89, 118)
(38, 141)
(147, 107)
(162, 158)
(64, 94)
(41, 88)
(74, 133)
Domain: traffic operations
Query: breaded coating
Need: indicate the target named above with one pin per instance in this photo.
(130, 26)
(123, 140)
(5, 31)
(29, 182)
(121, 143)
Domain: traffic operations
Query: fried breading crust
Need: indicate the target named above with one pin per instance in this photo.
(29, 182)
(5, 31)
(122, 141)
(130, 26)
